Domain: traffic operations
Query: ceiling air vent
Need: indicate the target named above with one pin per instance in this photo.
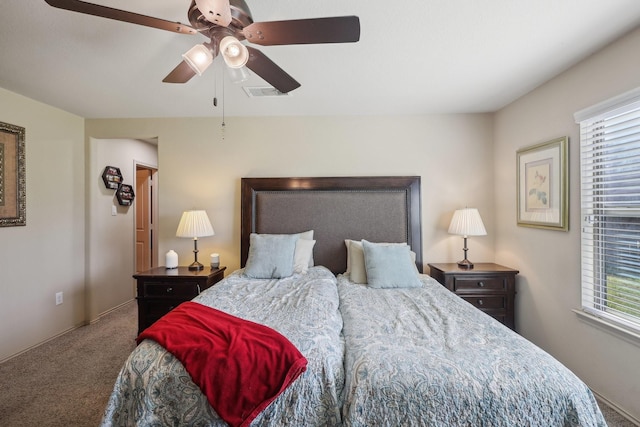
(266, 91)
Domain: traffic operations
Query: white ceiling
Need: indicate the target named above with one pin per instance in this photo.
(417, 57)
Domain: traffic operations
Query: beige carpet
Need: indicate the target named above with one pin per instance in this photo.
(67, 381)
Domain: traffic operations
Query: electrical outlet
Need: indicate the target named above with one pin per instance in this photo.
(59, 298)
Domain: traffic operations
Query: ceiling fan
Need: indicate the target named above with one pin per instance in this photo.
(226, 23)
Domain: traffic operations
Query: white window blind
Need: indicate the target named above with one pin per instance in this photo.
(610, 199)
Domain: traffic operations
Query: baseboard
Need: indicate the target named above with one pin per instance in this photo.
(100, 316)
(618, 409)
(20, 353)
(111, 310)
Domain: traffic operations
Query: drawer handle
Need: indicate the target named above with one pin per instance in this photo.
(169, 290)
(481, 284)
(480, 302)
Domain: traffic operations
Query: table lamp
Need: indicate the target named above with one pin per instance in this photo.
(195, 224)
(467, 222)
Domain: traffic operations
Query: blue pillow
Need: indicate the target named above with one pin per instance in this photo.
(389, 266)
(270, 256)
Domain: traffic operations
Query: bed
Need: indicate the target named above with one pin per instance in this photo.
(424, 357)
(153, 387)
(378, 352)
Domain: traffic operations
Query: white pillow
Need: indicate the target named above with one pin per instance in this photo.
(347, 243)
(357, 272)
(307, 235)
(303, 255)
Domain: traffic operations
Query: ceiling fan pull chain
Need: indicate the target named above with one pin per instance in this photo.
(215, 88)
(223, 123)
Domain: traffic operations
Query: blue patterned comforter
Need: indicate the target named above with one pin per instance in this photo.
(153, 388)
(425, 357)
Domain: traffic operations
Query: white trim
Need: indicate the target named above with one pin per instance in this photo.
(607, 105)
(81, 325)
(20, 353)
(609, 326)
(617, 408)
(111, 310)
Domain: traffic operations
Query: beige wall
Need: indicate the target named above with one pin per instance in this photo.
(47, 255)
(200, 169)
(110, 251)
(549, 261)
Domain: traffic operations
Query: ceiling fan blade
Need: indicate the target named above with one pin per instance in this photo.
(181, 74)
(270, 72)
(340, 29)
(121, 15)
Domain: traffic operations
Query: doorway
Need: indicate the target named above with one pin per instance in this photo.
(146, 235)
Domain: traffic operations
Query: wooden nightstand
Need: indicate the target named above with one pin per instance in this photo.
(489, 287)
(160, 290)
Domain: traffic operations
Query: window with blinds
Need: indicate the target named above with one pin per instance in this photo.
(610, 199)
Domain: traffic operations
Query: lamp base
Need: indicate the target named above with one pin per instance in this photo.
(196, 266)
(466, 264)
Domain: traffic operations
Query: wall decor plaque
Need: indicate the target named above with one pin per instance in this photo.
(112, 177)
(125, 195)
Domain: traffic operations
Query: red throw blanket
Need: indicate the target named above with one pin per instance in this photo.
(241, 366)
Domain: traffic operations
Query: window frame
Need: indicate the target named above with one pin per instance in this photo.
(594, 308)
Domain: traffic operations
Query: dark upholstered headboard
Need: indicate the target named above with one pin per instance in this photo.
(379, 209)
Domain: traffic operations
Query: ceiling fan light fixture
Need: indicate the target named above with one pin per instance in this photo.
(199, 58)
(235, 54)
(238, 75)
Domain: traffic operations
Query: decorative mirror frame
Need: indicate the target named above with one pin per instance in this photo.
(13, 211)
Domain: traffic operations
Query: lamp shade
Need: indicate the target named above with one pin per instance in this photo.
(238, 75)
(235, 54)
(194, 224)
(467, 222)
(198, 58)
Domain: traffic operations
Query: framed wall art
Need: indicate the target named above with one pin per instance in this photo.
(543, 185)
(13, 210)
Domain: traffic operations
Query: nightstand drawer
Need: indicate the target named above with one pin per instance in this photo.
(488, 287)
(158, 308)
(160, 290)
(171, 290)
(477, 284)
(486, 302)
